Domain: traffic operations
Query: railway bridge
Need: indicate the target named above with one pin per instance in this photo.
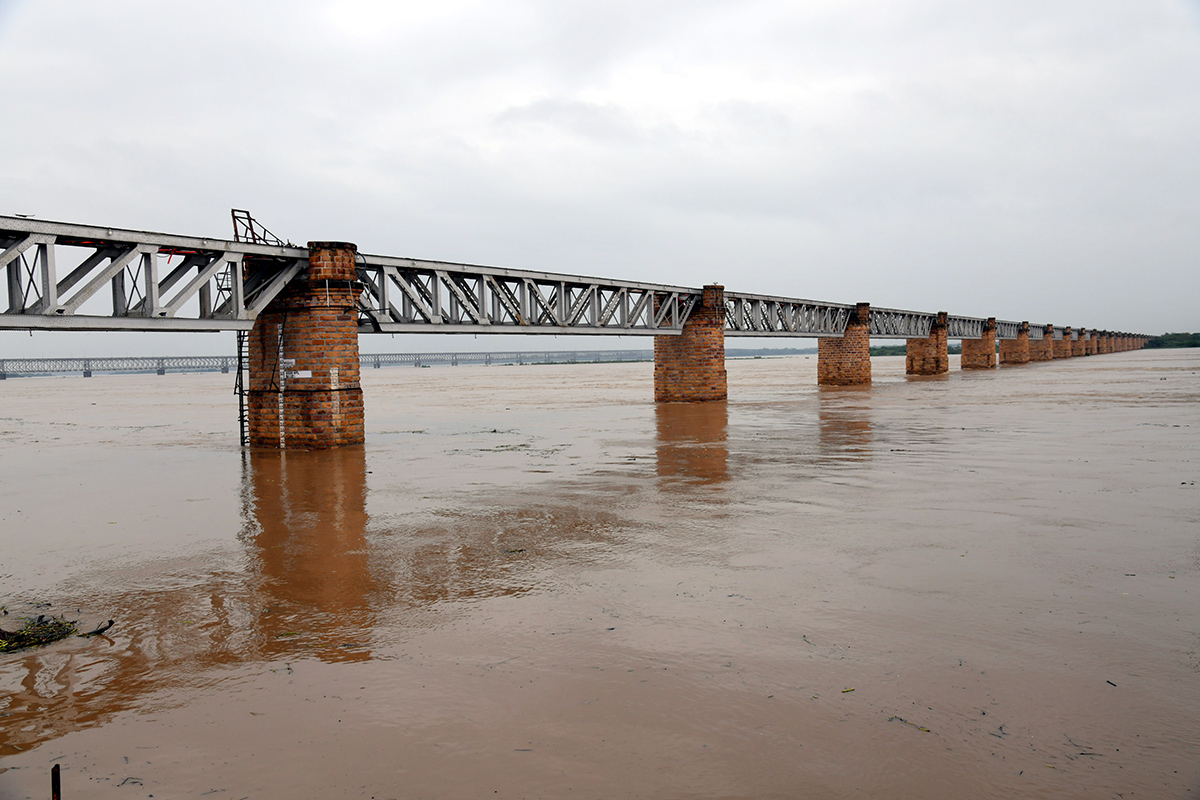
(299, 312)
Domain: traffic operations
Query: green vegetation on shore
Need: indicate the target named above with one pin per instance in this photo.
(902, 349)
(1175, 340)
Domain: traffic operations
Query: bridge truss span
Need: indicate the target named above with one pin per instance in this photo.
(892, 323)
(964, 327)
(66, 276)
(404, 295)
(1007, 329)
(761, 315)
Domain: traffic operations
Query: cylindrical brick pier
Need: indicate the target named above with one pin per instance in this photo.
(304, 391)
(690, 367)
(846, 361)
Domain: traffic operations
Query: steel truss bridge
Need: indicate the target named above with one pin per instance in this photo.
(64, 276)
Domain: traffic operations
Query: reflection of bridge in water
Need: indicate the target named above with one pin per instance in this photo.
(303, 309)
(318, 579)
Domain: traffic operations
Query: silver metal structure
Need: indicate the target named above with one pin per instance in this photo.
(892, 323)
(1006, 329)
(406, 295)
(761, 315)
(80, 277)
(64, 276)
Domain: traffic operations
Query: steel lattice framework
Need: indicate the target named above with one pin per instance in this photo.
(79, 277)
(1006, 329)
(761, 315)
(114, 279)
(404, 295)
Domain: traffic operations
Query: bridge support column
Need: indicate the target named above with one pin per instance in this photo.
(1016, 351)
(981, 353)
(929, 356)
(1062, 347)
(1090, 345)
(1042, 347)
(1102, 343)
(1079, 346)
(690, 367)
(304, 391)
(846, 361)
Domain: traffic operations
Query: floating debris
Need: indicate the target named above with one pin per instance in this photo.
(36, 632)
(906, 722)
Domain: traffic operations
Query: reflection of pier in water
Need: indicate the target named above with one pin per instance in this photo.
(691, 441)
(306, 531)
(844, 414)
(318, 581)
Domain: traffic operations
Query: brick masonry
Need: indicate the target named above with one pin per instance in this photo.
(690, 367)
(929, 356)
(304, 390)
(981, 353)
(1016, 351)
(1062, 347)
(1079, 346)
(846, 361)
(1042, 348)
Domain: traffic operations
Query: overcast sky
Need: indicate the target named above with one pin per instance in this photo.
(1028, 159)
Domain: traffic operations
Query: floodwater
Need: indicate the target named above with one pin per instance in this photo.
(532, 582)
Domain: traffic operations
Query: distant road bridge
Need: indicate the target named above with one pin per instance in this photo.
(303, 306)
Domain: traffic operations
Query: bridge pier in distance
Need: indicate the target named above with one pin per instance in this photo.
(846, 360)
(304, 388)
(981, 353)
(1079, 345)
(1016, 351)
(1062, 347)
(929, 356)
(690, 367)
(1042, 349)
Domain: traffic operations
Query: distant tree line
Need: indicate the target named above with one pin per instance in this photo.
(1175, 340)
(902, 349)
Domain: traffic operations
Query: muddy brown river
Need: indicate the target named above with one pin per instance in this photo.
(532, 582)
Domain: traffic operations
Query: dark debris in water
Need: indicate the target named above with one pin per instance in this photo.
(36, 632)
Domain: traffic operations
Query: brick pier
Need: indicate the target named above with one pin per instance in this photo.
(1079, 346)
(981, 353)
(690, 367)
(1062, 347)
(929, 356)
(304, 391)
(846, 361)
(1042, 348)
(1016, 351)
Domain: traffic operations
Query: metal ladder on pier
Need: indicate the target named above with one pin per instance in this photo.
(239, 385)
